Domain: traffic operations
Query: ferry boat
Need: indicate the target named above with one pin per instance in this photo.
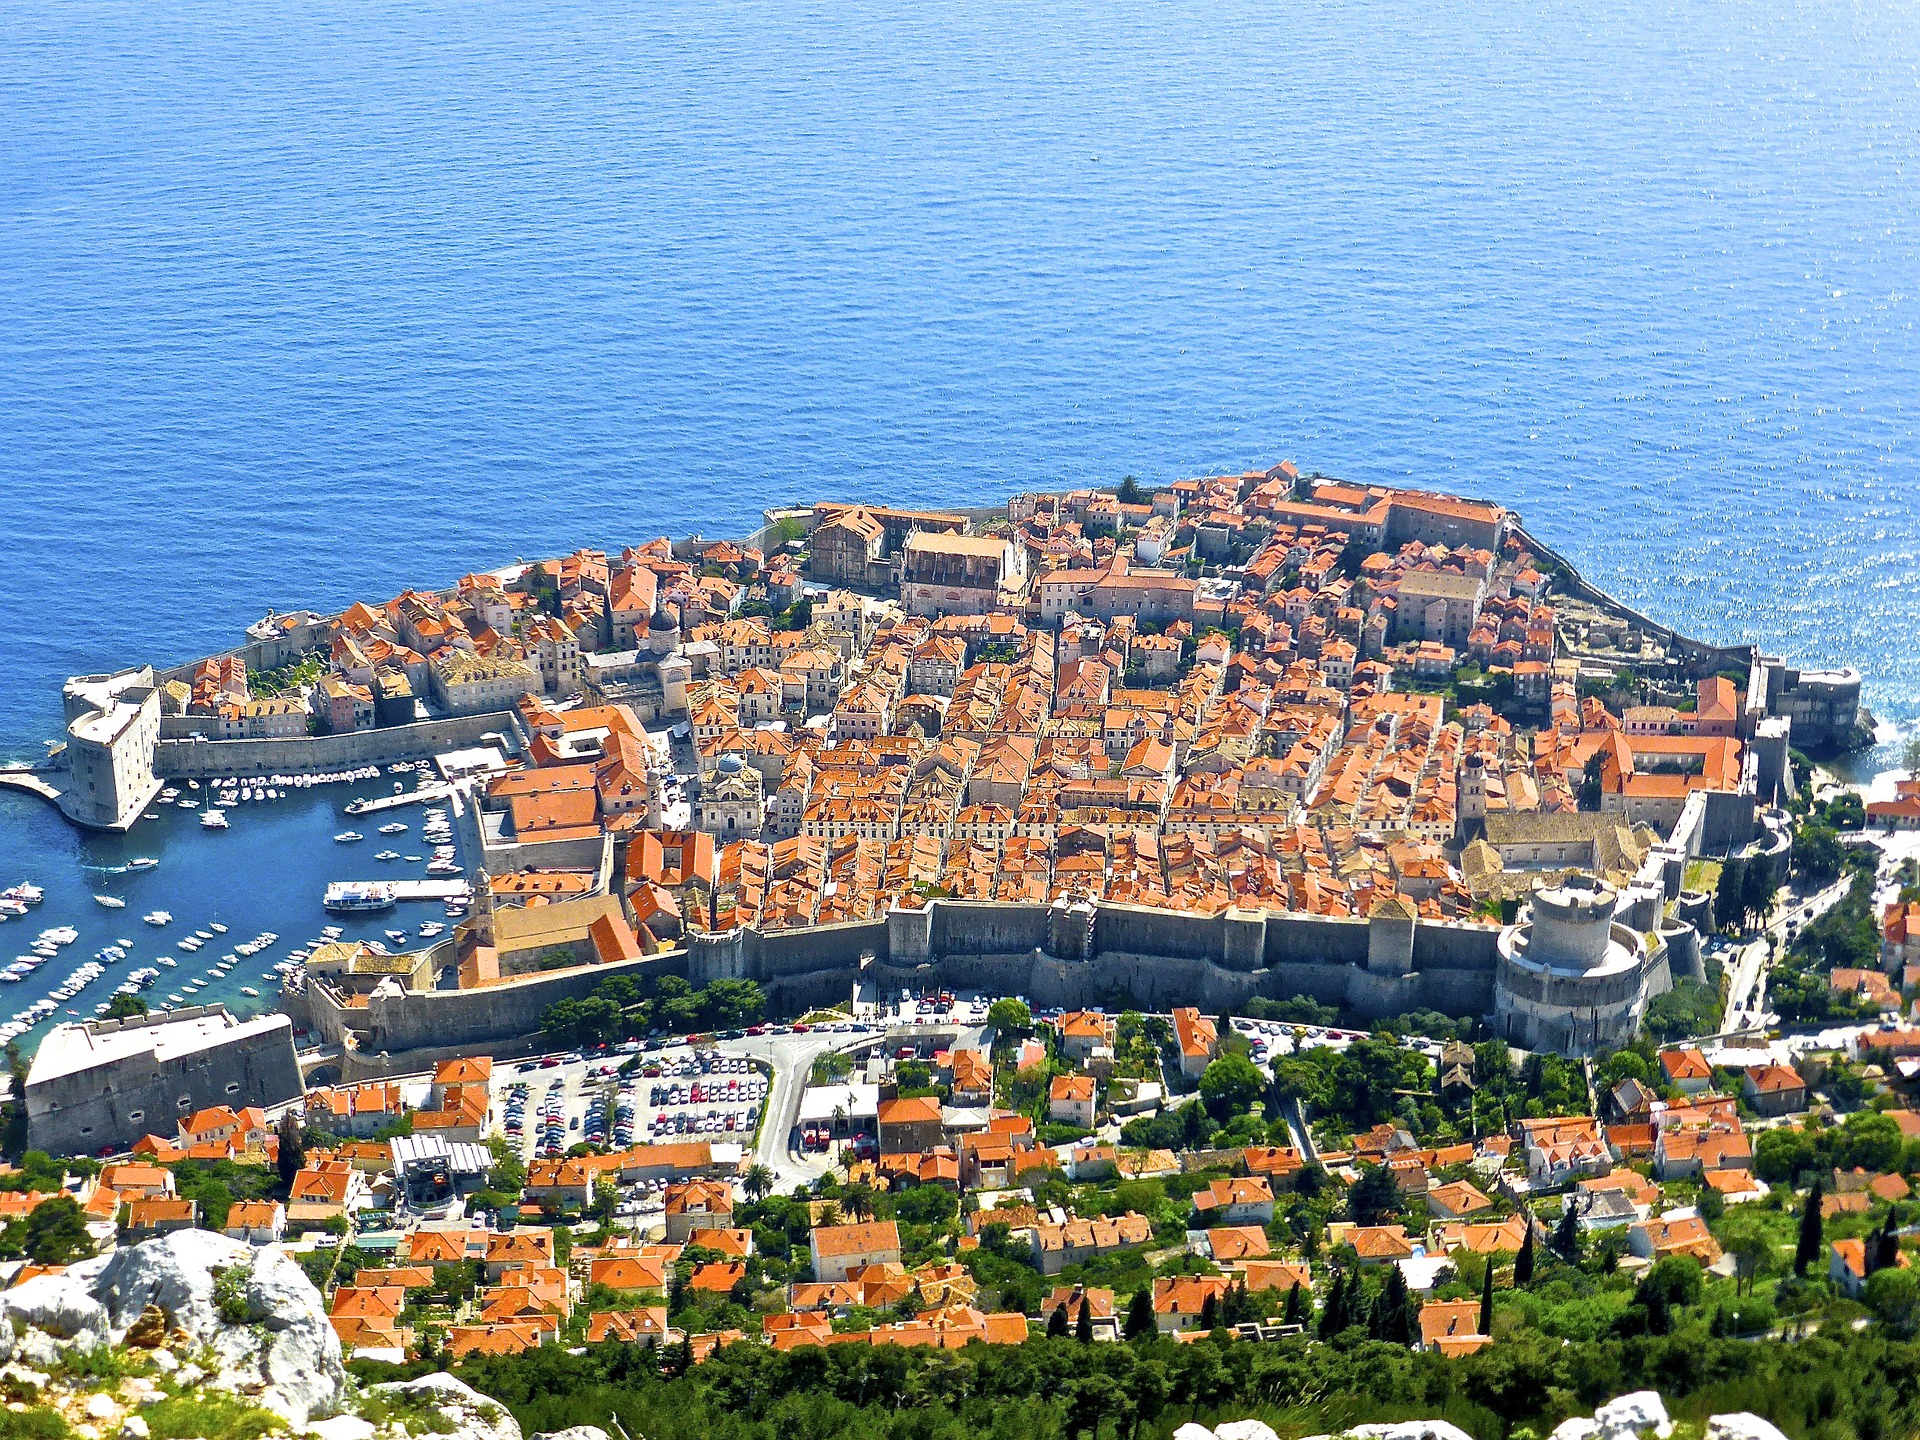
(157, 917)
(350, 898)
(213, 820)
(347, 837)
(112, 902)
(25, 892)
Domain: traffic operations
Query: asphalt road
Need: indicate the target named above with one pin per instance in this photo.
(1746, 988)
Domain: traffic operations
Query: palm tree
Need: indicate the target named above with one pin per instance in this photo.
(757, 1182)
(857, 1201)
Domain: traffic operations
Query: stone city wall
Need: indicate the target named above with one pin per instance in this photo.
(181, 759)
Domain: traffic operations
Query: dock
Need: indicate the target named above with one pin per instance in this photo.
(28, 778)
(425, 795)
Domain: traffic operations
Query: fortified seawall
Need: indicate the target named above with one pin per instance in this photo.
(180, 758)
(1059, 954)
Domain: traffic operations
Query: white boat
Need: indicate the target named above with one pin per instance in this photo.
(347, 837)
(394, 828)
(388, 855)
(216, 927)
(213, 820)
(141, 862)
(112, 902)
(168, 961)
(250, 992)
(157, 917)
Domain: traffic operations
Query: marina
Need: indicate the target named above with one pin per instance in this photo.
(197, 894)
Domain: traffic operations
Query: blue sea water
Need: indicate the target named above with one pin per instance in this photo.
(306, 300)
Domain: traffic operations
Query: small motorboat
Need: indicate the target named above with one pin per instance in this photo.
(347, 837)
(112, 902)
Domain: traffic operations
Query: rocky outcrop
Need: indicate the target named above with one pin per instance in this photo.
(581, 1432)
(254, 1312)
(1639, 1416)
(472, 1415)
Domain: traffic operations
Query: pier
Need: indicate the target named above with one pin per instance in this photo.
(425, 795)
(28, 778)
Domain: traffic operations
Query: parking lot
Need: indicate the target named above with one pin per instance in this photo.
(673, 1093)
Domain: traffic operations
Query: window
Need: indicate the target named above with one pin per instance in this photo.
(136, 1116)
(86, 1129)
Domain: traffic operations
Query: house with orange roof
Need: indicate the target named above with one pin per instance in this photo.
(1235, 1200)
(1070, 1100)
(1480, 1238)
(1373, 1244)
(148, 1218)
(505, 1338)
(1233, 1244)
(321, 1192)
(1198, 1039)
(1456, 1200)
(696, 1205)
(910, 1125)
(1278, 1165)
(1082, 1032)
(629, 1272)
(1847, 1266)
(1075, 1241)
(1689, 1152)
(1676, 1233)
(1452, 1327)
(258, 1222)
(646, 1325)
(797, 1327)
(512, 1249)
(837, 1250)
(971, 1077)
(732, 1244)
(132, 1180)
(718, 1277)
(1774, 1090)
(1179, 1300)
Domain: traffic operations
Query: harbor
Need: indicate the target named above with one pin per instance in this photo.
(205, 913)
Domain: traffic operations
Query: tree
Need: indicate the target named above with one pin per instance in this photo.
(1486, 1299)
(57, 1232)
(1745, 1238)
(1229, 1086)
(1083, 1327)
(1209, 1311)
(1807, 1251)
(1756, 888)
(1396, 1316)
(1884, 1252)
(757, 1182)
(1333, 1317)
(1729, 897)
(1375, 1196)
(292, 1151)
(1130, 492)
(1296, 1312)
(125, 1007)
(1140, 1314)
(1523, 1262)
(1057, 1323)
(1566, 1235)
(1590, 774)
(1010, 1017)
(1893, 1295)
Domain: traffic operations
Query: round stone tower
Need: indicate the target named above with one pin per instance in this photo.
(1568, 977)
(1572, 923)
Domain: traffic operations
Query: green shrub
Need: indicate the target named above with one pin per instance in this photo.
(208, 1415)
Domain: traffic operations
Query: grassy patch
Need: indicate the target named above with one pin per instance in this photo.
(419, 1410)
(208, 1415)
(40, 1424)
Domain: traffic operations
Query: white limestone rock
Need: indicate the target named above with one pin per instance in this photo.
(134, 1428)
(1633, 1416)
(1742, 1425)
(101, 1406)
(1191, 1431)
(474, 1416)
(1410, 1430)
(61, 1307)
(574, 1432)
(340, 1427)
(1578, 1428)
(1244, 1430)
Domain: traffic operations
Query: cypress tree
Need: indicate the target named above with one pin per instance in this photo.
(1333, 1319)
(1486, 1300)
(1209, 1312)
(1566, 1236)
(1140, 1313)
(1294, 1314)
(1057, 1323)
(1807, 1252)
(1395, 1316)
(1523, 1262)
(1885, 1253)
(1083, 1328)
